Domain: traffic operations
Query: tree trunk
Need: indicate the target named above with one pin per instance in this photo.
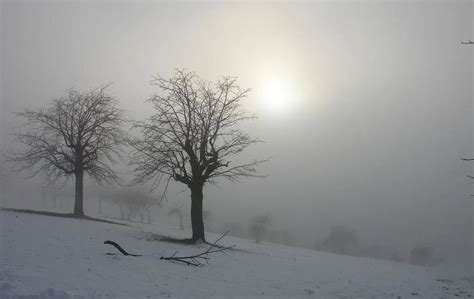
(196, 213)
(79, 203)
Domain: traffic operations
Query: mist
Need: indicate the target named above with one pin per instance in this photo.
(379, 115)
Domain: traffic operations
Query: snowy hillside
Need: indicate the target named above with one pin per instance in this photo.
(51, 257)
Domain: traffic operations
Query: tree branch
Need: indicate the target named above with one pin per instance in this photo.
(199, 259)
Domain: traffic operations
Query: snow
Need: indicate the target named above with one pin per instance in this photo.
(52, 257)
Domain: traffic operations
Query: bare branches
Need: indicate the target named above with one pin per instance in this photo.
(193, 136)
(198, 260)
(78, 132)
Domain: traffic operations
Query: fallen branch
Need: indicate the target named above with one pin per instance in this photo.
(199, 259)
(119, 248)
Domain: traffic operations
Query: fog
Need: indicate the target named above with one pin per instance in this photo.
(379, 113)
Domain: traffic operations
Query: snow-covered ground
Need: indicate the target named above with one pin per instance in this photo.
(51, 257)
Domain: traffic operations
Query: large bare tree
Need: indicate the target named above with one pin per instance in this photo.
(76, 134)
(193, 137)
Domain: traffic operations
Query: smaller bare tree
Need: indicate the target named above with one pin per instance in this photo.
(76, 134)
(422, 255)
(259, 226)
(342, 240)
(134, 204)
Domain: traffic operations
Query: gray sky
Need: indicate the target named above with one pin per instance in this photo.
(376, 106)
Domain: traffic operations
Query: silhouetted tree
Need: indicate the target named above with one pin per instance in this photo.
(422, 255)
(259, 226)
(341, 240)
(76, 134)
(134, 204)
(193, 137)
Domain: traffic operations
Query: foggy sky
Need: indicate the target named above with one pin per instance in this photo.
(382, 97)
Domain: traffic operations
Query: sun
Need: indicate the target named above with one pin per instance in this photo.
(276, 96)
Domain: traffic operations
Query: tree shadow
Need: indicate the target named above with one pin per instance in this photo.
(155, 237)
(55, 214)
(182, 241)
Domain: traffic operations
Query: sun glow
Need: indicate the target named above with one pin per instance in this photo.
(276, 96)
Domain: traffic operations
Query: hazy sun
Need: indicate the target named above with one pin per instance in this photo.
(276, 96)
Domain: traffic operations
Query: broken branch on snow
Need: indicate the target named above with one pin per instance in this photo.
(119, 248)
(199, 259)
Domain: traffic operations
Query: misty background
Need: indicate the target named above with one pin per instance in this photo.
(380, 115)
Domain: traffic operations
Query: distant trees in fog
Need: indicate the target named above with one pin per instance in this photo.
(58, 195)
(259, 225)
(341, 239)
(75, 134)
(381, 252)
(134, 204)
(422, 255)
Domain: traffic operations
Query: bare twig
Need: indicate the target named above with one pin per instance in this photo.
(199, 259)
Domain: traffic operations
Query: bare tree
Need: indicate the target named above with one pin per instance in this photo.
(259, 226)
(134, 204)
(342, 240)
(193, 137)
(422, 254)
(76, 134)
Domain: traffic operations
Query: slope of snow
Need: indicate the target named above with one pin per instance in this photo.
(50, 257)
